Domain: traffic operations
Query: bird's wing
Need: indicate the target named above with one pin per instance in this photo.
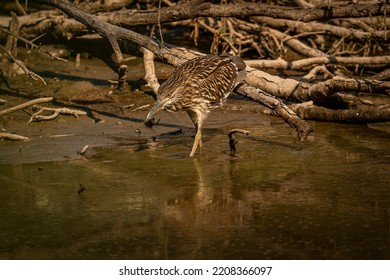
(215, 81)
(209, 77)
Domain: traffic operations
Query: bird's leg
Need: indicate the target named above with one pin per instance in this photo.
(198, 139)
(197, 121)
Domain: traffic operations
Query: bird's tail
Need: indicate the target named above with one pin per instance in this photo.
(241, 67)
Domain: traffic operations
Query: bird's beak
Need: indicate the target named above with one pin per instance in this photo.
(149, 121)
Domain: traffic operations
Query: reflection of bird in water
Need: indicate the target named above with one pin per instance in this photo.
(197, 86)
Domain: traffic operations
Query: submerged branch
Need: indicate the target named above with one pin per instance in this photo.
(232, 139)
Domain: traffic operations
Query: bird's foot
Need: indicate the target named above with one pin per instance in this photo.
(151, 122)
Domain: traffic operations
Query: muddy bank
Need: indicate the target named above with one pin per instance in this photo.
(114, 118)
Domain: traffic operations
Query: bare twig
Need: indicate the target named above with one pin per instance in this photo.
(319, 68)
(336, 30)
(84, 150)
(295, 44)
(55, 113)
(25, 105)
(32, 44)
(28, 72)
(20, 8)
(143, 107)
(10, 48)
(12, 136)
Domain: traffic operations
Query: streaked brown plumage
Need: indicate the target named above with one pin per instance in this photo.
(197, 86)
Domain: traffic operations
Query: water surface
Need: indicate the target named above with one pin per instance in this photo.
(276, 198)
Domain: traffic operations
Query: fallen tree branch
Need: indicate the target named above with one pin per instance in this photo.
(307, 62)
(25, 105)
(337, 84)
(362, 114)
(194, 9)
(279, 108)
(300, 91)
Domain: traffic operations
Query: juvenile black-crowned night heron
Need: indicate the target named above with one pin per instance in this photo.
(197, 86)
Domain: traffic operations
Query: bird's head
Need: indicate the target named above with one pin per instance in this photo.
(165, 101)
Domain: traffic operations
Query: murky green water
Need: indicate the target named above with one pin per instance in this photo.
(277, 199)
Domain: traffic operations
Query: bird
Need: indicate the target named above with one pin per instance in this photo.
(198, 86)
